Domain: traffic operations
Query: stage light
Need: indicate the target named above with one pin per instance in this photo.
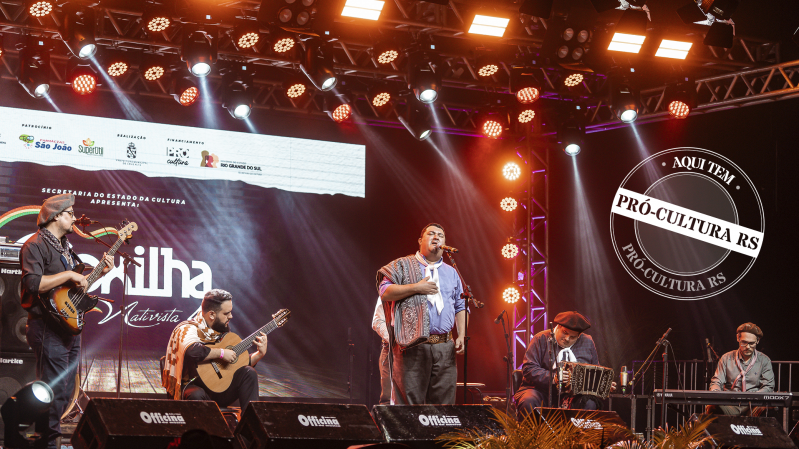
(156, 17)
(508, 204)
(720, 9)
(488, 25)
(574, 79)
(34, 67)
(295, 87)
(537, 8)
(511, 171)
(526, 115)
(39, 8)
(77, 30)
(117, 68)
(566, 41)
(280, 40)
(27, 406)
(678, 109)
(363, 9)
(487, 65)
(571, 129)
(524, 85)
(317, 65)
(673, 49)
(511, 295)
(380, 95)
(510, 251)
(83, 80)
(492, 122)
(680, 98)
(719, 35)
(416, 119)
(422, 78)
(153, 67)
(245, 34)
(624, 103)
(184, 91)
(337, 108)
(293, 14)
(199, 49)
(630, 32)
(237, 95)
(386, 52)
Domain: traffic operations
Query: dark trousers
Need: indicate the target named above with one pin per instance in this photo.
(528, 399)
(385, 381)
(243, 387)
(57, 365)
(425, 374)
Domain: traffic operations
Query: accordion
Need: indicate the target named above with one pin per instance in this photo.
(585, 379)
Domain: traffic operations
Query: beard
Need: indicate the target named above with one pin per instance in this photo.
(219, 327)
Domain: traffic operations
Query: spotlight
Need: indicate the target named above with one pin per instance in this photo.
(524, 85)
(184, 91)
(363, 9)
(511, 171)
(238, 93)
(337, 108)
(571, 130)
(153, 67)
(525, 115)
(386, 52)
(566, 42)
(510, 251)
(508, 204)
(491, 123)
(673, 49)
(487, 65)
(417, 119)
(77, 30)
(680, 98)
(380, 95)
(720, 9)
(317, 65)
(295, 87)
(199, 49)
(630, 32)
(511, 295)
(422, 76)
(83, 79)
(28, 405)
(39, 8)
(156, 17)
(624, 103)
(246, 34)
(537, 8)
(34, 67)
(719, 35)
(288, 13)
(574, 79)
(488, 25)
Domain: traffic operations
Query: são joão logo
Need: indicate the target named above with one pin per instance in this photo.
(687, 223)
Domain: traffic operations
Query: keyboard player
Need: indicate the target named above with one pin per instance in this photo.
(744, 369)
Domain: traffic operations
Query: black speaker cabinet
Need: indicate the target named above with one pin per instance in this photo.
(419, 425)
(148, 423)
(295, 425)
(747, 432)
(12, 316)
(611, 428)
(16, 370)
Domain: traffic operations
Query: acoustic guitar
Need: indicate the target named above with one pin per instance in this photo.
(218, 374)
(67, 304)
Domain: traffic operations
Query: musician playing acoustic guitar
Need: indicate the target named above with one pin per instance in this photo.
(46, 260)
(187, 349)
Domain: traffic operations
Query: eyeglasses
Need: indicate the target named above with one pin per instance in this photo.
(747, 343)
(70, 212)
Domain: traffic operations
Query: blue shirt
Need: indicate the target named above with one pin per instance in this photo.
(451, 290)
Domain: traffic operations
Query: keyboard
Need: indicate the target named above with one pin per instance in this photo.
(704, 397)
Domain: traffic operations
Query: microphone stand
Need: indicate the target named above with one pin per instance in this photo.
(508, 361)
(644, 367)
(469, 298)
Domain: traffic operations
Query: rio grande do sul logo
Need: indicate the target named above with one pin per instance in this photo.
(687, 223)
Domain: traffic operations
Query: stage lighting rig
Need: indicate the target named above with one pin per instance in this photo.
(525, 114)
(199, 49)
(34, 66)
(39, 8)
(281, 41)
(416, 119)
(77, 30)
(623, 101)
(508, 204)
(156, 17)
(337, 108)
(674, 49)
(571, 130)
(153, 67)
(298, 16)
(295, 87)
(573, 78)
(524, 85)
(566, 42)
(680, 98)
(511, 171)
(720, 35)
(245, 34)
(630, 32)
(363, 9)
(511, 295)
(82, 77)
(116, 62)
(510, 251)
(424, 75)
(183, 90)
(487, 65)
(27, 406)
(317, 65)
(492, 122)
(488, 25)
(237, 96)
(386, 52)
(381, 96)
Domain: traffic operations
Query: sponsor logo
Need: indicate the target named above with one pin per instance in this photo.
(177, 156)
(768, 398)
(49, 144)
(687, 223)
(746, 430)
(11, 361)
(209, 160)
(88, 147)
(240, 166)
(439, 420)
(321, 421)
(131, 150)
(10, 271)
(27, 140)
(586, 423)
(165, 418)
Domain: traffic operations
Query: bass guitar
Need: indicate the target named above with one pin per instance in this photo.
(218, 374)
(67, 304)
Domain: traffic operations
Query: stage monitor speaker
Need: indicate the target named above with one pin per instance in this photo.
(16, 370)
(298, 425)
(13, 317)
(744, 432)
(419, 425)
(148, 423)
(610, 427)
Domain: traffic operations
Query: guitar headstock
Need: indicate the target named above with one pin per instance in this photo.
(126, 229)
(281, 316)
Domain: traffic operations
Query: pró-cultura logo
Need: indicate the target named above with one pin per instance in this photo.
(687, 223)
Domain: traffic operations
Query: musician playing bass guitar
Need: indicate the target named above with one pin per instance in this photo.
(188, 348)
(46, 260)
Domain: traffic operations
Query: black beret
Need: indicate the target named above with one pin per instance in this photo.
(751, 328)
(573, 321)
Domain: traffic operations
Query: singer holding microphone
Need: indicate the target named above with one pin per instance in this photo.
(424, 373)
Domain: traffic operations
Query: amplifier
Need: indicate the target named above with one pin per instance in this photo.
(305, 425)
(418, 425)
(747, 432)
(16, 370)
(9, 251)
(608, 426)
(153, 423)
(13, 317)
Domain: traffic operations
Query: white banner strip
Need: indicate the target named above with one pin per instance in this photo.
(687, 222)
(153, 149)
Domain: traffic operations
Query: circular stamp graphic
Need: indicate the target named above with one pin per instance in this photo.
(687, 223)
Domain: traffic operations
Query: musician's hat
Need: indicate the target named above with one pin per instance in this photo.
(573, 321)
(751, 328)
(53, 206)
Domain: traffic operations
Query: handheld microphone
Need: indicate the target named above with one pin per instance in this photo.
(449, 249)
(500, 316)
(85, 221)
